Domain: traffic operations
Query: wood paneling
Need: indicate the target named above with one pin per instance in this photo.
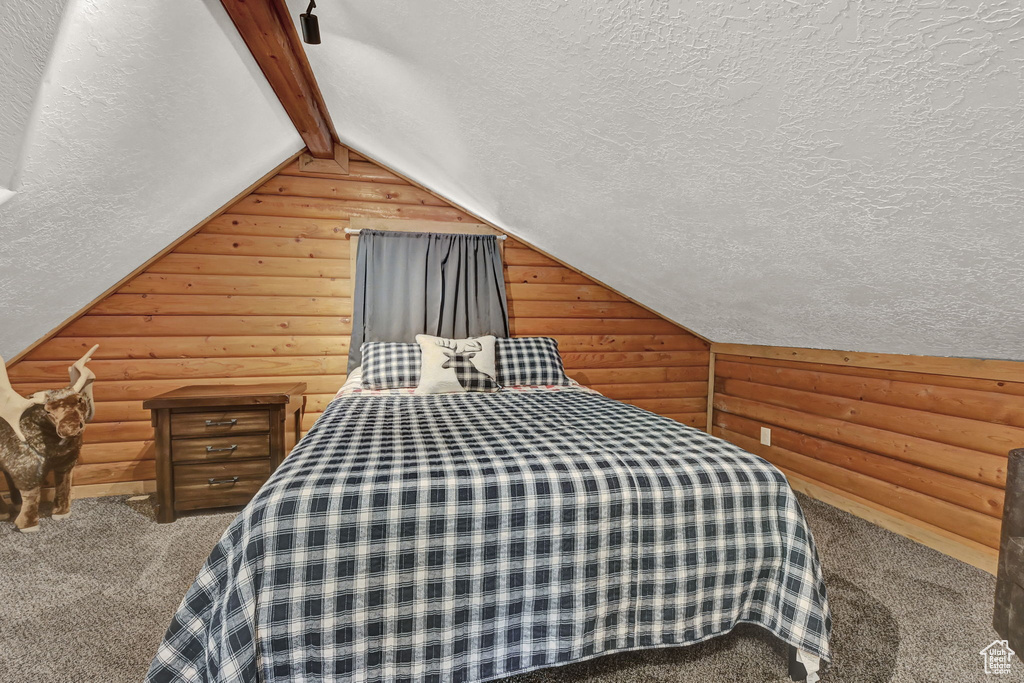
(334, 188)
(262, 293)
(178, 263)
(155, 283)
(1000, 370)
(250, 245)
(72, 348)
(914, 445)
(307, 207)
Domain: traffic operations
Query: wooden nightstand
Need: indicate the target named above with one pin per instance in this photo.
(216, 445)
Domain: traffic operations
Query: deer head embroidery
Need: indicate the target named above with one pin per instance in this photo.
(462, 361)
(451, 351)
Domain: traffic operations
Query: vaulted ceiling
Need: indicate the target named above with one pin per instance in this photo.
(845, 174)
(147, 117)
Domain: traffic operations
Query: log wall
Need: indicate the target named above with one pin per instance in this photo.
(262, 292)
(920, 452)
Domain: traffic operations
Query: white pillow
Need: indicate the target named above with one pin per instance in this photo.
(455, 366)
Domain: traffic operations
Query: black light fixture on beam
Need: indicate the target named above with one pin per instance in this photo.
(310, 25)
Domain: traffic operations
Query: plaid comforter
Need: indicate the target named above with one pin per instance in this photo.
(472, 536)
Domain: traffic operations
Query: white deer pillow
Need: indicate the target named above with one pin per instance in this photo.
(454, 366)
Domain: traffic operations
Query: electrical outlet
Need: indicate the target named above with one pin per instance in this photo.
(766, 436)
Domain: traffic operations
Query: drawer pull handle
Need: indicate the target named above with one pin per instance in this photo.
(229, 423)
(214, 482)
(211, 449)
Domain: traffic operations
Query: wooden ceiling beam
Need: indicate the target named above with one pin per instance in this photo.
(270, 35)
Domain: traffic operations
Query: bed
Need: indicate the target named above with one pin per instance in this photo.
(470, 537)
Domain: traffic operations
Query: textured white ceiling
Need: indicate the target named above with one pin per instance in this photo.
(27, 32)
(835, 174)
(844, 174)
(151, 115)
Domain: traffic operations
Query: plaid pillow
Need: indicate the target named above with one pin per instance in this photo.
(390, 365)
(529, 361)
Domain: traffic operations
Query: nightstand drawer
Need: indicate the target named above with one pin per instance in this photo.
(221, 448)
(219, 422)
(233, 435)
(218, 484)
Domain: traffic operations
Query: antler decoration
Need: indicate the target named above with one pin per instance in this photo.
(448, 348)
(82, 379)
(13, 405)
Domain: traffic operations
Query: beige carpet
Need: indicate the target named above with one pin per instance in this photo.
(88, 598)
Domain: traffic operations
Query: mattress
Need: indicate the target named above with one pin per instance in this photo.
(473, 536)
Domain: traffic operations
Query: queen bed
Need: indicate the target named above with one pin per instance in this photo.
(468, 537)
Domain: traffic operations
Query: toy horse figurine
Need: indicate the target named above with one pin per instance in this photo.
(40, 434)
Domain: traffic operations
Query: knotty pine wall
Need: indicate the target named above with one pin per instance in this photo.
(262, 293)
(927, 451)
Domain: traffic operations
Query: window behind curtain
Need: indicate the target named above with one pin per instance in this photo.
(409, 283)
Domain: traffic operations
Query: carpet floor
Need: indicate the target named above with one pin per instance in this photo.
(88, 599)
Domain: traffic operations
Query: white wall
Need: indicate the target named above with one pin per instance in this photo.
(838, 174)
(27, 32)
(151, 116)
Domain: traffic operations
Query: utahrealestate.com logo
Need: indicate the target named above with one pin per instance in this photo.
(998, 658)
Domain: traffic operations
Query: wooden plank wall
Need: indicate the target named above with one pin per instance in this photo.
(262, 293)
(922, 453)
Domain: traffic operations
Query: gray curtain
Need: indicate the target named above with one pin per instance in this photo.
(409, 283)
